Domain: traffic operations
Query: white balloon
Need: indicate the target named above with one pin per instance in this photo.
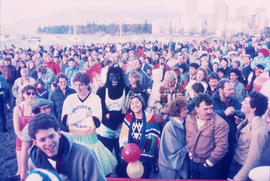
(135, 169)
(260, 173)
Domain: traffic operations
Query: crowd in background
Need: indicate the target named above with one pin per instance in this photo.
(178, 85)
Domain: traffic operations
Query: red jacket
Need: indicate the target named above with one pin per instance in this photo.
(53, 66)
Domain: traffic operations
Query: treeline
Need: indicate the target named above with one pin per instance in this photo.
(92, 28)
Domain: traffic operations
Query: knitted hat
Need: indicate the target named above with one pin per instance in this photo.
(264, 51)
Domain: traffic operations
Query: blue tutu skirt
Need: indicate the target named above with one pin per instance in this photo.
(106, 159)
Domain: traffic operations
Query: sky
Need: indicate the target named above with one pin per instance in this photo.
(53, 12)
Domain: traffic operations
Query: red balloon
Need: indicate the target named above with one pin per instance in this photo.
(131, 152)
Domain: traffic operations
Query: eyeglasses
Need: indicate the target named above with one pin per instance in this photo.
(29, 93)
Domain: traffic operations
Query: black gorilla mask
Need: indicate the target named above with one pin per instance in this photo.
(114, 78)
(115, 82)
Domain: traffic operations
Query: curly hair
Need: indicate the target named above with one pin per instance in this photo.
(203, 97)
(177, 105)
(61, 75)
(258, 101)
(28, 87)
(42, 121)
(81, 77)
(136, 75)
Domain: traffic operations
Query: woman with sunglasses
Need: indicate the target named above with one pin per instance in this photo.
(141, 128)
(21, 115)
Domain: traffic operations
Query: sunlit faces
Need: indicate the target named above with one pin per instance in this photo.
(183, 113)
(45, 109)
(132, 80)
(228, 91)
(213, 83)
(47, 140)
(204, 111)
(29, 94)
(205, 65)
(136, 105)
(233, 76)
(200, 75)
(192, 70)
(31, 65)
(246, 60)
(24, 72)
(259, 71)
(64, 58)
(224, 64)
(246, 108)
(49, 58)
(220, 74)
(260, 54)
(62, 83)
(81, 88)
(136, 64)
(71, 64)
(170, 82)
(215, 67)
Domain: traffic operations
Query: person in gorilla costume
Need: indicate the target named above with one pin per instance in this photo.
(112, 95)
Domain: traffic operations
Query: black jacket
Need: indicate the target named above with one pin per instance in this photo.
(58, 98)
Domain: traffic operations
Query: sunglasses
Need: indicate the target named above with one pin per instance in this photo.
(29, 93)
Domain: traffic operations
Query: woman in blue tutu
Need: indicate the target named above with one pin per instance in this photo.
(82, 114)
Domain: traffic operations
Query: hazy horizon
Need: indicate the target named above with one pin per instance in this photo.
(25, 16)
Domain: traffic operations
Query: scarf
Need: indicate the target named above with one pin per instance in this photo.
(43, 158)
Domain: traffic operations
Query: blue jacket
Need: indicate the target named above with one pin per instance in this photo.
(79, 162)
(264, 61)
(3, 87)
(70, 72)
(47, 78)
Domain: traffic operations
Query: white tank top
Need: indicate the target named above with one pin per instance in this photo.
(116, 104)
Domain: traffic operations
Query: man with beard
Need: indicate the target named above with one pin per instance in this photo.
(112, 95)
(207, 139)
(163, 95)
(227, 107)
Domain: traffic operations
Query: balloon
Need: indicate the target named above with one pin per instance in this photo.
(135, 169)
(260, 173)
(131, 152)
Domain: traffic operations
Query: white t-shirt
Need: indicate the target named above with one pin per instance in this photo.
(80, 108)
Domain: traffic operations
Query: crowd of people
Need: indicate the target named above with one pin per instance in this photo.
(196, 109)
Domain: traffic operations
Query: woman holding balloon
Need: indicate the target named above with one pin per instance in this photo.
(139, 139)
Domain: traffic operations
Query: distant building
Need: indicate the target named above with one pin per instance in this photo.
(220, 16)
(261, 19)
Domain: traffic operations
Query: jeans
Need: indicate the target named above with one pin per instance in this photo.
(2, 112)
(234, 169)
(198, 171)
